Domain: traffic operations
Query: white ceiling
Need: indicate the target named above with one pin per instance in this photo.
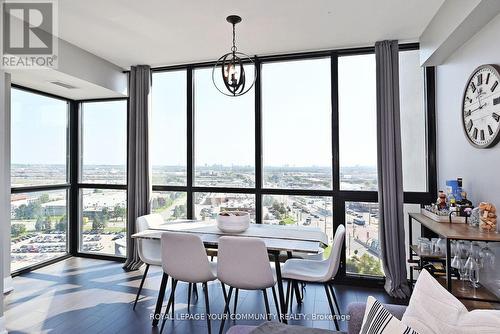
(165, 32)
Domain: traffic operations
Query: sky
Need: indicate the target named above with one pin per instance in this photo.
(296, 120)
(296, 116)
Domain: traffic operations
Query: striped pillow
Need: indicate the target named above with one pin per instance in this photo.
(378, 320)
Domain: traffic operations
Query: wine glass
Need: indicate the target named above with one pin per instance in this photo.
(473, 269)
(475, 249)
(487, 256)
(459, 264)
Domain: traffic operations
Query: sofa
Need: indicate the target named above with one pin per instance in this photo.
(355, 311)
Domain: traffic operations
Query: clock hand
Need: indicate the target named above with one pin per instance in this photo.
(478, 108)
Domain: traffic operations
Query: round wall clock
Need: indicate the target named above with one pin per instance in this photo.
(481, 107)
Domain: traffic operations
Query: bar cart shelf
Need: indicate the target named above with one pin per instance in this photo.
(442, 263)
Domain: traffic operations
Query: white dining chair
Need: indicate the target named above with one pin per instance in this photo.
(243, 264)
(184, 259)
(149, 250)
(314, 271)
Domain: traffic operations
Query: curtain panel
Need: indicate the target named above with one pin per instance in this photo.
(138, 169)
(390, 170)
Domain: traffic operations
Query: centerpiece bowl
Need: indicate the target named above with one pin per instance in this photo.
(233, 221)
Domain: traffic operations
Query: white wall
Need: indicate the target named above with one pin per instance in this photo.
(4, 187)
(480, 169)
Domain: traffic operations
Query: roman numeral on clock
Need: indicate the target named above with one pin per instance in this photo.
(487, 78)
(475, 133)
(480, 79)
(482, 134)
(496, 117)
(494, 86)
(469, 125)
(496, 101)
(473, 87)
(490, 130)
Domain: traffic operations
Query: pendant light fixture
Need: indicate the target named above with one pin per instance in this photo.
(231, 67)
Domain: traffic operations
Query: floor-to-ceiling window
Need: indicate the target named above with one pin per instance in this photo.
(297, 150)
(102, 177)
(39, 178)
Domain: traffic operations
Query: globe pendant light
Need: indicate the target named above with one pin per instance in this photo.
(231, 67)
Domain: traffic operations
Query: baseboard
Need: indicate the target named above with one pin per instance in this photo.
(8, 285)
(3, 328)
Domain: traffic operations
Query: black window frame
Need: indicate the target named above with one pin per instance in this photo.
(67, 186)
(76, 174)
(339, 197)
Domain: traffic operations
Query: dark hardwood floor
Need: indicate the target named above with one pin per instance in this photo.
(81, 295)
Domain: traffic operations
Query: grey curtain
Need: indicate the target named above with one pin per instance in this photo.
(138, 179)
(390, 172)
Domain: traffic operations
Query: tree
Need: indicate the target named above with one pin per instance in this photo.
(287, 221)
(44, 198)
(98, 222)
(119, 212)
(61, 225)
(365, 264)
(39, 225)
(17, 229)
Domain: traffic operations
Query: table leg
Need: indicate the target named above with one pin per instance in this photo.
(410, 253)
(280, 285)
(159, 302)
(448, 264)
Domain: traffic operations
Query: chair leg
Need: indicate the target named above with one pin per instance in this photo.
(327, 291)
(292, 283)
(235, 300)
(334, 298)
(266, 302)
(207, 305)
(287, 301)
(170, 302)
(141, 285)
(226, 308)
(275, 297)
(159, 301)
(189, 295)
(297, 292)
(195, 290)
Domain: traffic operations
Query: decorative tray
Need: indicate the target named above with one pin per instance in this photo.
(443, 219)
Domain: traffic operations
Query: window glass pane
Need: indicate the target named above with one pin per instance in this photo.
(224, 134)
(413, 121)
(39, 139)
(296, 126)
(357, 123)
(290, 210)
(168, 128)
(38, 227)
(362, 239)
(104, 142)
(103, 221)
(208, 205)
(170, 205)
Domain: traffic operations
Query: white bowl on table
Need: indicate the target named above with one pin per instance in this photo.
(233, 221)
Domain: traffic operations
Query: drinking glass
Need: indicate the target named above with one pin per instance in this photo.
(487, 257)
(475, 249)
(473, 269)
(459, 264)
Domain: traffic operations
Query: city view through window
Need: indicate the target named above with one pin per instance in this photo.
(296, 155)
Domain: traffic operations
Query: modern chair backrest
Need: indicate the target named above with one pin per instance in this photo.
(184, 257)
(148, 249)
(334, 258)
(244, 263)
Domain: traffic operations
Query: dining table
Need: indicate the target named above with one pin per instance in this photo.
(279, 239)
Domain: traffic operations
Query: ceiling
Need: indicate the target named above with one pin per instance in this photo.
(165, 32)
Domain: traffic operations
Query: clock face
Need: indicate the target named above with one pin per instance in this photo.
(481, 107)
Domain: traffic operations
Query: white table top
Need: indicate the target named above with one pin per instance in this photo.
(276, 237)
